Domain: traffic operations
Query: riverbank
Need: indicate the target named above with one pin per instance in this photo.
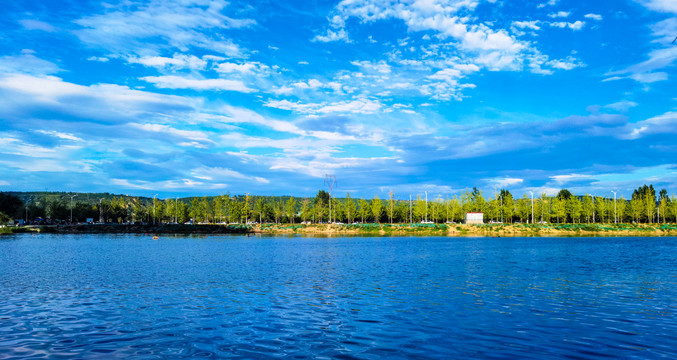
(130, 229)
(487, 230)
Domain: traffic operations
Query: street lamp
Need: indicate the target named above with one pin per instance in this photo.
(410, 218)
(72, 196)
(593, 208)
(426, 206)
(615, 217)
(154, 208)
(27, 202)
(532, 206)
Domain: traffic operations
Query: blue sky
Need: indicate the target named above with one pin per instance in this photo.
(197, 97)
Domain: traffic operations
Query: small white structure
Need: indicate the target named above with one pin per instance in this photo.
(474, 218)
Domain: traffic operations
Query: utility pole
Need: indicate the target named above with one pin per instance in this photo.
(593, 208)
(100, 211)
(72, 196)
(330, 180)
(154, 208)
(615, 217)
(501, 208)
(410, 218)
(27, 202)
(426, 206)
(532, 207)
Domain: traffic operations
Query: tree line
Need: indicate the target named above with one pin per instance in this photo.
(645, 206)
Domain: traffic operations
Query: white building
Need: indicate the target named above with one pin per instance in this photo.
(474, 218)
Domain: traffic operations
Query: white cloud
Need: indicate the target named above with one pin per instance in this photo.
(561, 179)
(178, 25)
(662, 124)
(533, 25)
(177, 62)
(576, 25)
(380, 67)
(645, 72)
(32, 24)
(333, 35)
(504, 182)
(566, 64)
(358, 106)
(98, 58)
(623, 105)
(548, 3)
(242, 68)
(660, 5)
(98, 102)
(178, 82)
(27, 63)
(60, 135)
(221, 174)
(593, 17)
(198, 136)
(559, 14)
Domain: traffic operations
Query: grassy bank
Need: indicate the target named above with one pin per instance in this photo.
(477, 230)
(134, 229)
(490, 230)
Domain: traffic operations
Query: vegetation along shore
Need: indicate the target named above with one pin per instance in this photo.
(647, 212)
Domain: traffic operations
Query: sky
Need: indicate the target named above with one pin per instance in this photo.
(197, 97)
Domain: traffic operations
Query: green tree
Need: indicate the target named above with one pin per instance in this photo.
(559, 209)
(305, 209)
(524, 208)
(364, 209)
(477, 201)
(376, 208)
(621, 207)
(508, 205)
(420, 209)
(636, 208)
(11, 205)
(574, 209)
(543, 208)
(278, 211)
(351, 209)
(290, 208)
(391, 206)
(260, 208)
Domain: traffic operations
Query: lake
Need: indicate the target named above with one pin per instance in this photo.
(129, 296)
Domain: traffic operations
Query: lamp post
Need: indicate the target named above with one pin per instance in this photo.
(27, 202)
(154, 208)
(410, 218)
(426, 206)
(615, 217)
(72, 196)
(501, 196)
(532, 206)
(593, 208)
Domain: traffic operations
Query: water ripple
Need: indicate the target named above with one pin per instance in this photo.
(108, 297)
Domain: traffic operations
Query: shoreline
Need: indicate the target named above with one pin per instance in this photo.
(450, 230)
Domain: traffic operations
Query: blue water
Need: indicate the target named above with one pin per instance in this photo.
(127, 296)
